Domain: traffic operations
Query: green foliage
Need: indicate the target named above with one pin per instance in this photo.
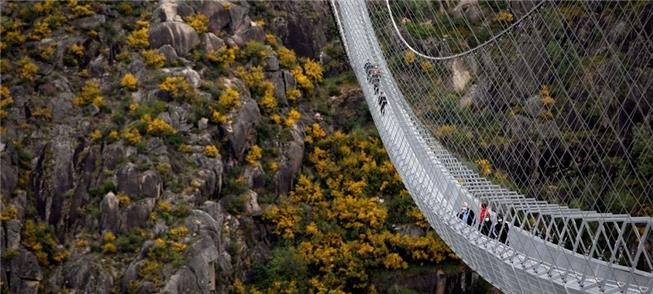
(132, 241)
(643, 150)
(285, 264)
(254, 51)
(234, 204)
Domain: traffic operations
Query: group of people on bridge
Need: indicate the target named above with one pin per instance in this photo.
(487, 227)
(373, 73)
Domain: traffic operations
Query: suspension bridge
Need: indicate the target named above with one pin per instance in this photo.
(540, 110)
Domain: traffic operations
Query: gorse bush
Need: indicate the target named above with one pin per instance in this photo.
(38, 239)
(292, 118)
(158, 127)
(199, 22)
(129, 82)
(223, 56)
(293, 94)
(41, 31)
(255, 154)
(336, 222)
(409, 57)
(132, 136)
(27, 69)
(90, 94)
(139, 38)
(153, 59)
(268, 102)
(5, 101)
(211, 151)
(229, 99)
(313, 70)
(178, 88)
(80, 10)
(302, 79)
(287, 57)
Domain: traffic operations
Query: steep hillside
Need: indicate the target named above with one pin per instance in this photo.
(179, 147)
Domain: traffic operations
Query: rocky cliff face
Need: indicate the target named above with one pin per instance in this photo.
(113, 180)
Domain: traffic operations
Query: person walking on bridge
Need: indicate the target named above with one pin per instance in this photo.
(500, 229)
(466, 214)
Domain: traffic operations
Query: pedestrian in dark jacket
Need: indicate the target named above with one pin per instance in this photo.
(466, 214)
(500, 230)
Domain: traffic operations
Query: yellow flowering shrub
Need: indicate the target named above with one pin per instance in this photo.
(46, 52)
(132, 136)
(293, 94)
(426, 66)
(178, 232)
(292, 118)
(285, 218)
(42, 112)
(5, 101)
(129, 82)
(133, 107)
(27, 69)
(317, 132)
(40, 31)
(159, 127)
(95, 135)
(229, 99)
(268, 102)
(199, 22)
(77, 50)
(113, 135)
(211, 151)
(409, 57)
(178, 88)
(218, 117)
(90, 94)
(165, 206)
(255, 154)
(38, 239)
(313, 70)
(123, 199)
(307, 191)
(337, 222)
(504, 16)
(302, 79)
(276, 118)
(8, 213)
(271, 39)
(138, 39)
(223, 56)
(81, 243)
(547, 100)
(14, 38)
(80, 10)
(44, 7)
(153, 59)
(273, 166)
(287, 57)
(418, 218)
(109, 248)
(254, 78)
(394, 261)
(484, 166)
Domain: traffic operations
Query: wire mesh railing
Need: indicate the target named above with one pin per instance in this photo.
(561, 236)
